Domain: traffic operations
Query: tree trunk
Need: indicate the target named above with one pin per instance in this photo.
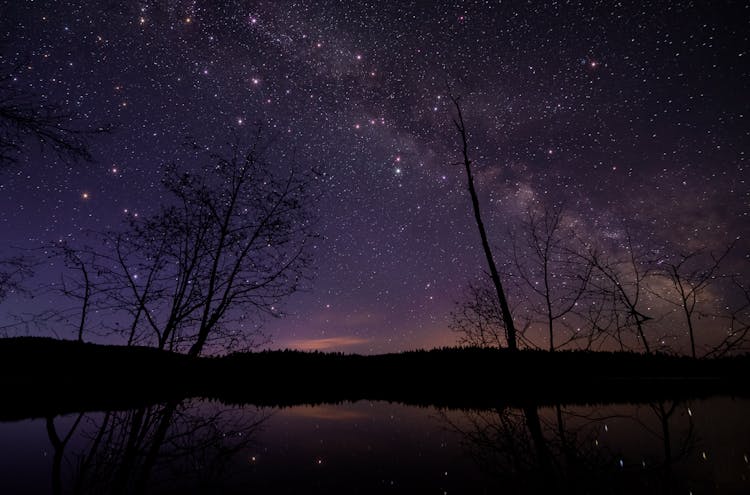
(510, 328)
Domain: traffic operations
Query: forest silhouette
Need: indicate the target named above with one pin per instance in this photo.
(89, 377)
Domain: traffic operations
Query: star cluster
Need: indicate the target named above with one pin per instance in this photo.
(623, 112)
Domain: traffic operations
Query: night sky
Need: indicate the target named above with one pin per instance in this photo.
(631, 115)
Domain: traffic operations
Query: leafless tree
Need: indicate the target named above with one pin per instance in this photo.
(551, 273)
(234, 240)
(26, 117)
(737, 334)
(13, 271)
(81, 286)
(549, 279)
(690, 275)
(507, 317)
(620, 282)
(478, 319)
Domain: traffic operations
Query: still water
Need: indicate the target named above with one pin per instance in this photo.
(700, 446)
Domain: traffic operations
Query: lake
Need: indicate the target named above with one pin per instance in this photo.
(198, 446)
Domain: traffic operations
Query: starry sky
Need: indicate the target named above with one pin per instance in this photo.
(626, 113)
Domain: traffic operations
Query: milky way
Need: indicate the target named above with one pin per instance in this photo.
(631, 115)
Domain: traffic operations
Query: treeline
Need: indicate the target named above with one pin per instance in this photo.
(45, 376)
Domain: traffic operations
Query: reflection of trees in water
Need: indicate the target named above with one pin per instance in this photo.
(675, 448)
(179, 443)
(533, 450)
(522, 450)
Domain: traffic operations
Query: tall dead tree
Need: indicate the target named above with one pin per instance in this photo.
(510, 329)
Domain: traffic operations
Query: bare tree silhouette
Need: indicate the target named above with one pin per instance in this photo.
(622, 283)
(690, 275)
(13, 272)
(233, 239)
(507, 317)
(477, 319)
(79, 287)
(593, 294)
(551, 272)
(549, 279)
(736, 337)
(27, 117)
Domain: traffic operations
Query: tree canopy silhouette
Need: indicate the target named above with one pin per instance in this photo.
(233, 241)
(231, 238)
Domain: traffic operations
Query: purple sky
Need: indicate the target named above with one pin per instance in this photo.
(631, 115)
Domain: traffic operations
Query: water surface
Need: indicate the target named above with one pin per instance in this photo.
(198, 446)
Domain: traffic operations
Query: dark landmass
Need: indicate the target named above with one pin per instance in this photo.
(45, 377)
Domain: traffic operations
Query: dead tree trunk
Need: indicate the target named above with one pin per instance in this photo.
(510, 328)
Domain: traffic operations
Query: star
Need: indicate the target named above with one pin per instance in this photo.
(546, 126)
